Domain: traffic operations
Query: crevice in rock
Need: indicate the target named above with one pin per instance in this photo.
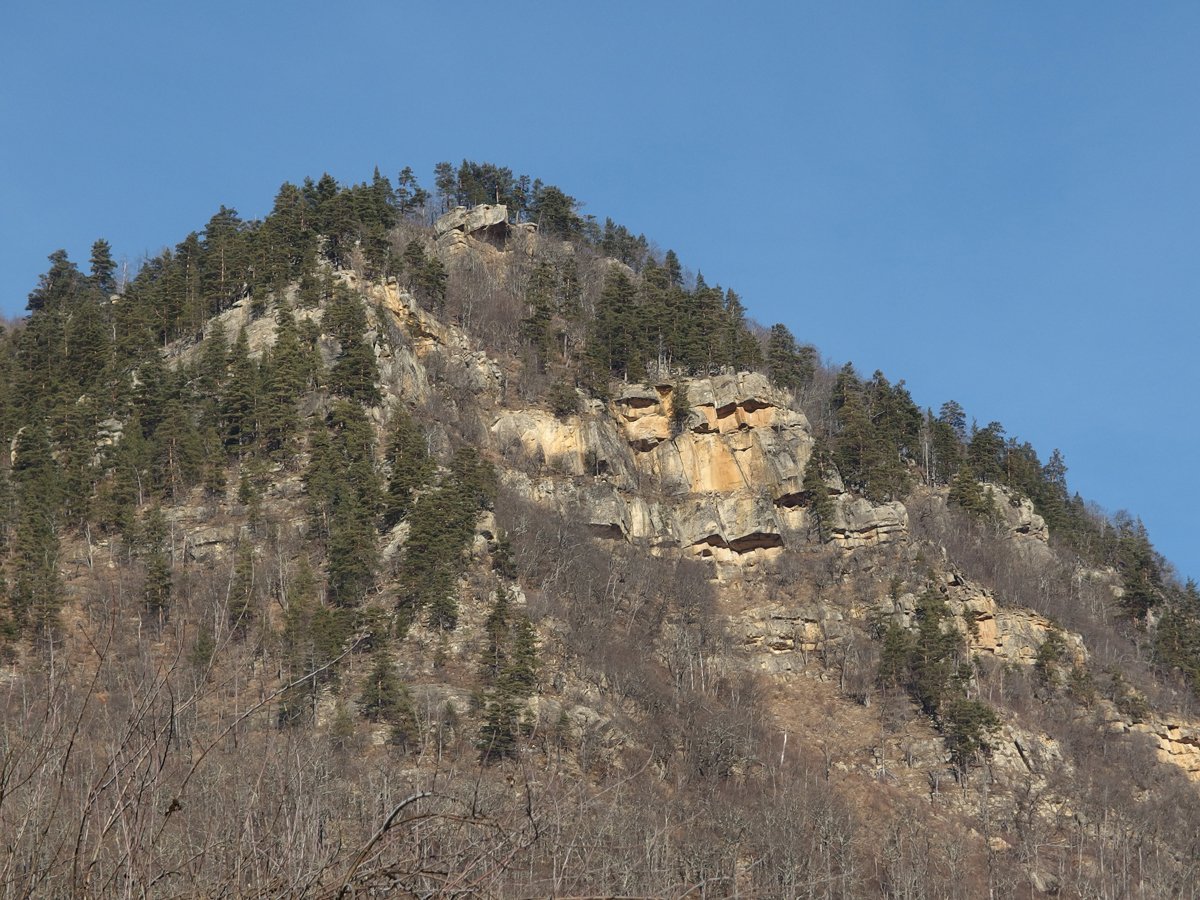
(612, 531)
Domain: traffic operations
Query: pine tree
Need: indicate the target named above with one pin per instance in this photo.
(966, 724)
(739, 349)
(495, 630)
(539, 305)
(985, 452)
(681, 408)
(212, 370)
(212, 462)
(816, 492)
(411, 466)
(128, 484)
(58, 287)
(283, 383)
(894, 656)
(1141, 575)
(352, 553)
(615, 342)
(410, 196)
(156, 559)
(555, 213)
(384, 698)
(500, 729)
(791, 366)
(176, 445)
(431, 281)
(673, 269)
(509, 670)
(223, 259)
(446, 183)
(37, 591)
(945, 438)
(103, 267)
(74, 435)
(441, 526)
(354, 372)
(1049, 663)
(322, 477)
(967, 494)
(313, 635)
(520, 675)
(344, 497)
(1177, 637)
(88, 343)
(240, 399)
(935, 646)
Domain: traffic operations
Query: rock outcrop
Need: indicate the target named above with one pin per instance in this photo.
(1007, 634)
(473, 221)
(780, 635)
(1175, 743)
(1018, 514)
(859, 523)
(719, 486)
(483, 227)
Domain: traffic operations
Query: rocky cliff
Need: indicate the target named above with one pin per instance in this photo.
(719, 482)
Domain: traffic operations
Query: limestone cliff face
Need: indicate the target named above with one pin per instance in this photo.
(722, 487)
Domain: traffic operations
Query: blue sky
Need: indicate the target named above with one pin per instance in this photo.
(997, 202)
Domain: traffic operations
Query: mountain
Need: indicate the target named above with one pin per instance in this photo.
(360, 549)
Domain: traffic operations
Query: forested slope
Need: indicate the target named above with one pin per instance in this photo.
(383, 544)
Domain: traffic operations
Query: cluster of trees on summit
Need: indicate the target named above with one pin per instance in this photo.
(106, 432)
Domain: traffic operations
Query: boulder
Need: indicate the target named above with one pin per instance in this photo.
(492, 220)
(859, 523)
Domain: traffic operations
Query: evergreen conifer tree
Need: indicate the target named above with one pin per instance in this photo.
(240, 399)
(103, 268)
(352, 553)
(384, 698)
(283, 383)
(411, 466)
(36, 590)
(615, 342)
(816, 492)
(155, 554)
(354, 372)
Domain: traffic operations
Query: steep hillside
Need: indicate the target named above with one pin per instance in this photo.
(346, 553)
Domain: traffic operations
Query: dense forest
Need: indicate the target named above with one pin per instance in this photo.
(124, 400)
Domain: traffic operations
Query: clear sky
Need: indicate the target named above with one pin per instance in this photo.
(998, 202)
